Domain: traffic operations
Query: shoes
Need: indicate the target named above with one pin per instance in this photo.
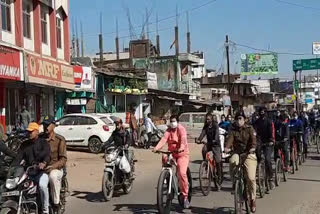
(218, 188)
(186, 204)
(253, 206)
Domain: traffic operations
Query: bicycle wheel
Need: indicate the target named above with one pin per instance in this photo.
(238, 197)
(261, 179)
(278, 171)
(205, 178)
(164, 199)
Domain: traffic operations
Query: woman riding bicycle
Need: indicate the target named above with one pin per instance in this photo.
(176, 137)
(242, 138)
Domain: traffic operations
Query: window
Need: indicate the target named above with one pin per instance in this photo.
(184, 118)
(6, 15)
(106, 120)
(198, 118)
(59, 32)
(26, 10)
(87, 121)
(44, 24)
(67, 121)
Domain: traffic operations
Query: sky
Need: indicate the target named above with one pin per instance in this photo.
(284, 26)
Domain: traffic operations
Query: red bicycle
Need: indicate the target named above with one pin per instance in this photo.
(294, 156)
(208, 173)
(280, 167)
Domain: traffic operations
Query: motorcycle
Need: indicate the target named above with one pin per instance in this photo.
(155, 137)
(119, 170)
(21, 193)
(16, 138)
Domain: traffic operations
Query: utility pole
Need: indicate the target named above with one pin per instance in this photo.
(101, 43)
(188, 35)
(296, 90)
(117, 41)
(300, 88)
(82, 42)
(158, 37)
(176, 33)
(147, 23)
(77, 40)
(228, 70)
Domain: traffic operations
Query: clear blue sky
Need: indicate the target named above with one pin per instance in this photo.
(257, 23)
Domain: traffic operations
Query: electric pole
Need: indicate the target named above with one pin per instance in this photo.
(228, 70)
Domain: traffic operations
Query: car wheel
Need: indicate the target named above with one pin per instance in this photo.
(95, 145)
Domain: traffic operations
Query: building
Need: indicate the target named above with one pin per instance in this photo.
(34, 57)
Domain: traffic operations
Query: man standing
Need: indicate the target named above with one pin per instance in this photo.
(58, 160)
(150, 128)
(133, 126)
(24, 118)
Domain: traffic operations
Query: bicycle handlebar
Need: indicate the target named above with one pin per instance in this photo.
(168, 152)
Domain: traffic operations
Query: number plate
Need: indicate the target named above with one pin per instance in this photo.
(13, 193)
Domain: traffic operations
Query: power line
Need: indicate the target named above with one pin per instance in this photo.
(270, 51)
(161, 20)
(297, 5)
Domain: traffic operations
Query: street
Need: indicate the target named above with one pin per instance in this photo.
(299, 195)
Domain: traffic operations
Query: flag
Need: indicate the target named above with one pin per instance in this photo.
(173, 43)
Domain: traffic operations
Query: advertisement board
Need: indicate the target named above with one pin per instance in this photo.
(11, 65)
(83, 78)
(256, 64)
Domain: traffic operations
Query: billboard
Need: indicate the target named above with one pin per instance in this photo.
(255, 64)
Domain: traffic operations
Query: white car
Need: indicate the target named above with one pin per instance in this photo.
(86, 130)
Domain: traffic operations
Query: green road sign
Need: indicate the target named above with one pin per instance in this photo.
(306, 64)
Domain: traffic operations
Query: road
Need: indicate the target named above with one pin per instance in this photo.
(299, 195)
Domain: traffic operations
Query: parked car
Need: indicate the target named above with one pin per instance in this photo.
(86, 130)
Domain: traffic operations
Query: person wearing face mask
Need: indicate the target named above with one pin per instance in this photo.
(265, 137)
(176, 138)
(296, 130)
(211, 131)
(242, 138)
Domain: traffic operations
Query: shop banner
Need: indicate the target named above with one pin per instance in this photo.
(152, 80)
(11, 66)
(83, 78)
(51, 73)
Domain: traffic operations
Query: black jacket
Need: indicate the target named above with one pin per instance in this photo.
(33, 152)
(119, 137)
(281, 130)
(212, 134)
(264, 129)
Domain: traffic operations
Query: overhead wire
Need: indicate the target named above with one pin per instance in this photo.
(297, 5)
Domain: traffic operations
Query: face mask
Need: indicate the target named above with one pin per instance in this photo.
(296, 117)
(174, 125)
(240, 123)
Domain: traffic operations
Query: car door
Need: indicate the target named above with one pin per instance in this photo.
(85, 129)
(66, 128)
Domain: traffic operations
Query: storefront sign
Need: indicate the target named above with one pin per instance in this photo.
(75, 102)
(152, 80)
(11, 66)
(47, 72)
(83, 78)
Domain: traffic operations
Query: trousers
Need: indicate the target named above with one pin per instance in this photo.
(55, 179)
(250, 165)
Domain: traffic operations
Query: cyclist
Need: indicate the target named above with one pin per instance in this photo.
(265, 137)
(296, 130)
(282, 137)
(305, 120)
(224, 124)
(242, 138)
(176, 137)
(211, 131)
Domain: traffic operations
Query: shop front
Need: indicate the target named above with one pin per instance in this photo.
(11, 77)
(47, 82)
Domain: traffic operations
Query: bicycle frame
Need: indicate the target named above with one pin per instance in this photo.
(173, 178)
(212, 163)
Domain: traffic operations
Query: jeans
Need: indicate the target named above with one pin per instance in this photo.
(250, 165)
(55, 178)
(43, 181)
(267, 152)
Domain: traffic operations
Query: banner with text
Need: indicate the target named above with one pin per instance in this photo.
(11, 65)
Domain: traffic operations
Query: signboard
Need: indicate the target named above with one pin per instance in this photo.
(51, 73)
(83, 78)
(263, 86)
(255, 64)
(316, 48)
(11, 65)
(152, 80)
(306, 64)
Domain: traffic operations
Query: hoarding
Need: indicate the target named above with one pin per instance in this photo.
(255, 64)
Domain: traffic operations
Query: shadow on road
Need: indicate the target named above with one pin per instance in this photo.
(303, 179)
(152, 209)
(89, 196)
(314, 157)
(196, 161)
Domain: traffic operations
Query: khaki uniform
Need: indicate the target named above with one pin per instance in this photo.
(58, 162)
(242, 139)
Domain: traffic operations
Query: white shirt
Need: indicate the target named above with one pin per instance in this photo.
(149, 125)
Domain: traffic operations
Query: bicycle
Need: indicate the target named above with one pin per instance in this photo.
(208, 173)
(241, 191)
(280, 165)
(261, 178)
(294, 153)
(168, 186)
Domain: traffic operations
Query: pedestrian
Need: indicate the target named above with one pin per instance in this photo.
(133, 126)
(24, 118)
(150, 128)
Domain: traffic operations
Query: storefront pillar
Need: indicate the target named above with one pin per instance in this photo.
(3, 106)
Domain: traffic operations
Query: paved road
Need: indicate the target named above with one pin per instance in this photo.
(300, 195)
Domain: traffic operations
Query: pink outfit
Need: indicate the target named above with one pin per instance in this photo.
(177, 139)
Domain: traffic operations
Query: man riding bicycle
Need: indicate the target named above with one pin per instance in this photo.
(242, 138)
(265, 137)
(296, 130)
(211, 131)
(176, 137)
(282, 137)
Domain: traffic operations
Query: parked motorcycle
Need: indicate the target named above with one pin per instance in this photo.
(155, 137)
(16, 138)
(119, 170)
(20, 194)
